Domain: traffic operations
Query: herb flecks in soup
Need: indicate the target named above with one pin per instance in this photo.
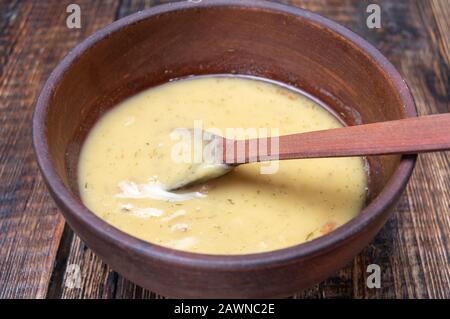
(126, 160)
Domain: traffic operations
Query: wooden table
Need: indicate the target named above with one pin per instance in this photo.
(36, 247)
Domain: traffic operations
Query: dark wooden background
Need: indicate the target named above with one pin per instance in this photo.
(36, 247)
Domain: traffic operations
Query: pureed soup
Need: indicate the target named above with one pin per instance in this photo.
(128, 156)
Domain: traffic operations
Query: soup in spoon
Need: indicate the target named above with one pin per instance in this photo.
(133, 157)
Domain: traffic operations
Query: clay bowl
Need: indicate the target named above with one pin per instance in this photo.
(249, 37)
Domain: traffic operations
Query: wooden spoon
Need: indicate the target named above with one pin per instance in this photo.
(407, 136)
(412, 135)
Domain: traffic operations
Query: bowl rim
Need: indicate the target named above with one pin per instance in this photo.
(77, 211)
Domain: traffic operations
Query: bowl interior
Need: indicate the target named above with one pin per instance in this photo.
(129, 57)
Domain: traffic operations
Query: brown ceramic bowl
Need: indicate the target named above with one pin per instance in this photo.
(249, 37)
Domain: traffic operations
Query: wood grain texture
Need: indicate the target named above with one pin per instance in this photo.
(412, 249)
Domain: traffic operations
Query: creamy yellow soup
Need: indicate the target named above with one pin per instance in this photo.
(128, 157)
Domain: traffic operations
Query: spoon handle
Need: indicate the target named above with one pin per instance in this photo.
(406, 136)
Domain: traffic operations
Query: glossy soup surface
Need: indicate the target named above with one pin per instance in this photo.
(127, 157)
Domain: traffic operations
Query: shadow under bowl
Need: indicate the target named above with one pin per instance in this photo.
(247, 37)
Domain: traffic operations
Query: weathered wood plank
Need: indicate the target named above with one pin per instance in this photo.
(33, 38)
